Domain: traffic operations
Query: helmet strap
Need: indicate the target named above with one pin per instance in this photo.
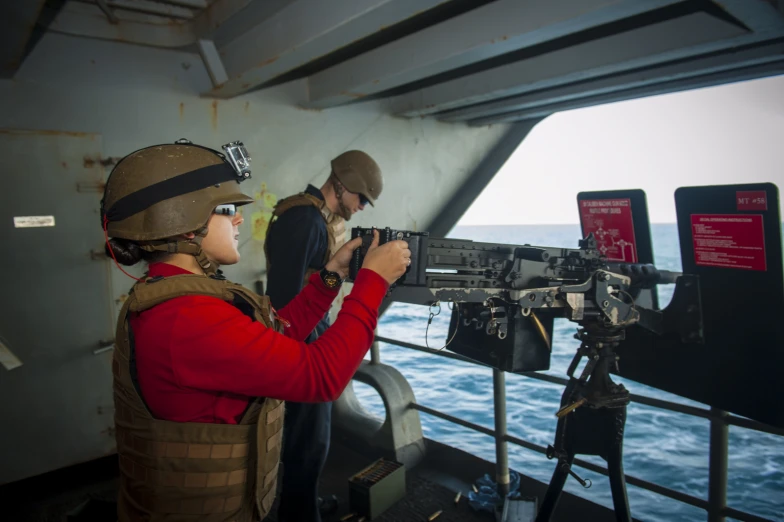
(209, 267)
(343, 210)
(190, 246)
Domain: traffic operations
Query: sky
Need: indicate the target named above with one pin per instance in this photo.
(714, 136)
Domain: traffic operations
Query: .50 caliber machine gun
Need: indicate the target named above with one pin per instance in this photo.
(718, 342)
(505, 300)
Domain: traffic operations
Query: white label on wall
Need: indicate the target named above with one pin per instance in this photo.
(7, 358)
(33, 221)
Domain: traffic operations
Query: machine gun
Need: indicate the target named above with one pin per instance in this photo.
(507, 296)
(718, 342)
(505, 300)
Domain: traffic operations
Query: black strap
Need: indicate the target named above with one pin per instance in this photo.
(169, 188)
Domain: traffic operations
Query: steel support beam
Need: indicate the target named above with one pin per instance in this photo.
(212, 61)
(241, 16)
(697, 33)
(760, 16)
(481, 176)
(303, 31)
(15, 30)
(686, 69)
(82, 19)
(79, 19)
(486, 32)
(735, 75)
(107, 11)
(464, 197)
(148, 6)
(194, 4)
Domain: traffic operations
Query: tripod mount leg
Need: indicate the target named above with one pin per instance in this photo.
(591, 421)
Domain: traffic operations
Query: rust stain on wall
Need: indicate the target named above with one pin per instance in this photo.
(182, 111)
(267, 61)
(50, 133)
(215, 115)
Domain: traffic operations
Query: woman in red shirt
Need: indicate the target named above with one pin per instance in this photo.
(198, 356)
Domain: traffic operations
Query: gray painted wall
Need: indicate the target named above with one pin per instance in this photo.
(135, 96)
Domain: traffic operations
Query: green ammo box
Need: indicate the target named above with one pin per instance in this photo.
(374, 489)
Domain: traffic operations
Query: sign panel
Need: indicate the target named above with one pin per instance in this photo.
(610, 221)
(751, 200)
(33, 221)
(729, 241)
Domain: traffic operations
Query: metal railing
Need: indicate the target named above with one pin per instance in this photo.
(716, 505)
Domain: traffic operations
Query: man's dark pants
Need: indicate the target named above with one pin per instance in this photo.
(306, 430)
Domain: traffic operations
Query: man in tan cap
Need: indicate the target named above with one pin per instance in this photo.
(305, 231)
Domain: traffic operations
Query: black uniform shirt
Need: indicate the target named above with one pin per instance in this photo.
(297, 241)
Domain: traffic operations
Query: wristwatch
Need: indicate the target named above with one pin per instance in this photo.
(331, 279)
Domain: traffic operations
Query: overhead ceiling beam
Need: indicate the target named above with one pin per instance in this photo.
(303, 31)
(144, 28)
(644, 46)
(753, 72)
(147, 6)
(16, 28)
(638, 78)
(761, 16)
(196, 4)
(243, 15)
(486, 32)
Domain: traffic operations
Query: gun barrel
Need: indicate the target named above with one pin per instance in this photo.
(668, 277)
(645, 275)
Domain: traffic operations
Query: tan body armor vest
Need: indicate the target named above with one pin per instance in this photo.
(336, 226)
(184, 472)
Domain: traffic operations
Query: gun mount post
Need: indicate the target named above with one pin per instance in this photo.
(501, 450)
(375, 351)
(591, 420)
(717, 471)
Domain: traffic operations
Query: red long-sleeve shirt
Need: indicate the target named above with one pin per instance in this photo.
(200, 359)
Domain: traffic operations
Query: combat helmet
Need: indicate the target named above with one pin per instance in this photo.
(359, 173)
(159, 192)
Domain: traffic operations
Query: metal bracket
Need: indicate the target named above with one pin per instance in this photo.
(212, 61)
(684, 313)
(104, 345)
(107, 11)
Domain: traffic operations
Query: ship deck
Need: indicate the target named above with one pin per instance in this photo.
(430, 487)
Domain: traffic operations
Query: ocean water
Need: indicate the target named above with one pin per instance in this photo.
(667, 448)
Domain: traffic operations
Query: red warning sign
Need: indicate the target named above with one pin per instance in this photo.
(611, 222)
(752, 200)
(729, 241)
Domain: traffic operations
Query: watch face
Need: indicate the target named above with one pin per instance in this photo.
(331, 280)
